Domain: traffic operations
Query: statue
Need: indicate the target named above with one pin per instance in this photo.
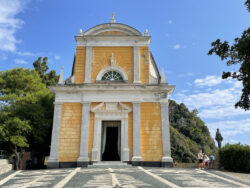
(218, 138)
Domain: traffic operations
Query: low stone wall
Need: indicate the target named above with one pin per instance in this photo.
(5, 166)
(193, 165)
(186, 165)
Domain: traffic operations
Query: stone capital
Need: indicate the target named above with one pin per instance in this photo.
(85, 103)
(58, 103)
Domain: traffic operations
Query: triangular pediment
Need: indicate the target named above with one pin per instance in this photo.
(111, 107)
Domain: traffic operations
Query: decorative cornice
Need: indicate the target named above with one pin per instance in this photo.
(156, 88)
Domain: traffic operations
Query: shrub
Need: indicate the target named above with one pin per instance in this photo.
(235, 157)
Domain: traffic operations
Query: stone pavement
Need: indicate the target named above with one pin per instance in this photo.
(127, 177)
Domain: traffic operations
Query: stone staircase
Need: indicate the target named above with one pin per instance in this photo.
(109, 164)
(5, 166)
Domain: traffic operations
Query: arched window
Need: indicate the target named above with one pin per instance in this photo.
(112, 76)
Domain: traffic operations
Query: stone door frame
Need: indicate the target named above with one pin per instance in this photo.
(111, 113)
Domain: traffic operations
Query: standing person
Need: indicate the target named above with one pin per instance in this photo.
(212, 158)
(206, 161)
(200, 159)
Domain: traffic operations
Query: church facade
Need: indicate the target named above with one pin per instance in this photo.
(114, 106)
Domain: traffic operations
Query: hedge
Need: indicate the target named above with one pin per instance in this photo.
(235, 157)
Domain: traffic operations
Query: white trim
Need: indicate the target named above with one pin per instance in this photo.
(110, 115)
(112, 27)
(165, 131)
(136, 132)
(55, 132)
(112, 41)
(136, 65)
(84, 133)
(87, 78)
(112, 96)
(112, 68)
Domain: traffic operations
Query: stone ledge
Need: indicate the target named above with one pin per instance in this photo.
(5, 168)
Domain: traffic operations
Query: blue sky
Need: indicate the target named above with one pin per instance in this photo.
(181, 35)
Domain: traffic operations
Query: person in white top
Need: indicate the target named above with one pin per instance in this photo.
(200, 159)
(206, 161)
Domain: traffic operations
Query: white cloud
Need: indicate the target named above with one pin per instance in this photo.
(230, 128)
(9, 23)
(177, 46)
(57, 57)
(214, 103)
(26, 53)
(208, 81)
(222, 112)
(21, 61)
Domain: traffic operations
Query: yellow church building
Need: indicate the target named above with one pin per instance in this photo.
(114, 106)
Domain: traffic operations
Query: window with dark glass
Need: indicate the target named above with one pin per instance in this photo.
(112, 76)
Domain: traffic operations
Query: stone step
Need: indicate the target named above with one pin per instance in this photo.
(109, 163)
(5, 168)
(4, 161)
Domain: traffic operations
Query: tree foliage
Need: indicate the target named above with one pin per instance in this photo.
(235, 157)
(24, 96)
(14, 131)
(48, 78)
(189, 134)
(237, 53)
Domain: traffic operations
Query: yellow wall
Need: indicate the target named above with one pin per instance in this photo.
(70, 132)
(151, 143)
(144, 65)
(79, 69)
(101, 58)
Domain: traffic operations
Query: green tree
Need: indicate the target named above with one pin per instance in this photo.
(218, 138)
(237, 53)
(189, 134)
(14, 132)
(48, 78)
(23, 95)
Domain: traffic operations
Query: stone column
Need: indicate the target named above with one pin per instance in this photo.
(167, 160)
(125, 149)
(87, 78)
(136, 160)
(53, 159)
(95, 151)
(83, 158)
(136, 64)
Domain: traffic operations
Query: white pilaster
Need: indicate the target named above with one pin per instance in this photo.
(165, 133)
(137, 132)
(125, 130)
(87, 78)
(55, 132)
(96, 140)
(136, 64)
(84, 133)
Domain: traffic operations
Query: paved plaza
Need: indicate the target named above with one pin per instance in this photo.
(127, 177)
